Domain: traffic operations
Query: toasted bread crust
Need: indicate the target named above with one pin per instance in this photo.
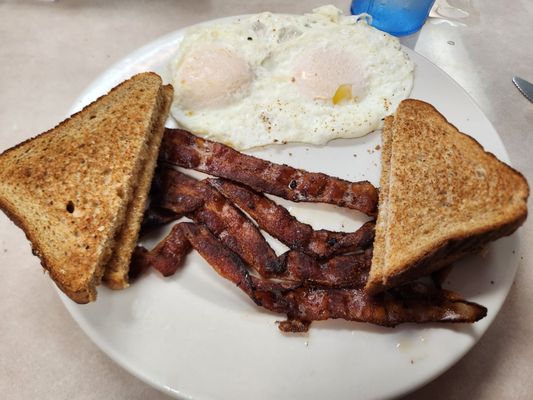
(49, 185)
(459, 212)
(116, 272)
(443, 255)
(80, 295)
(378, 258)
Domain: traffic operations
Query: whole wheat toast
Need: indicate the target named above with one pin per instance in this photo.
(442, 197)
(116, 272)
(69, 188)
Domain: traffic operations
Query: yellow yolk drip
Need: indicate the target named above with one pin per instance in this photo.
(343, 93)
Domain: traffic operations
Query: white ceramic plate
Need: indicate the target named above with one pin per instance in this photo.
(195, 335)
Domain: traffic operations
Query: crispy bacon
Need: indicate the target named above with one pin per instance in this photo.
(415, 302)
(176, 192)
(167, 257)
(296, 268)
(155, 217)
(340, 271)
(279, 223)
(181, 148)
(224, 220)
(224, 261)
(410, 303)
(139, 263)
(306, 283)
(237, 232)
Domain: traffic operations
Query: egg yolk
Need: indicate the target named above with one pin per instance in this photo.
(343, 93)
(328, 74)
(211, 76)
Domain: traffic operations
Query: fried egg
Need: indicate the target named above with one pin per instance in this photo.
(272, 78)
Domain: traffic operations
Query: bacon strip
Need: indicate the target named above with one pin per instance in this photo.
(176, 192)
(238, 233)
(415, 302)
(278, 222)
(224, 220)
(154, 217)
(224, 261)
(411, 303)
(181, 148)
(296, 269)
(167, 257)
(348, 271)
(139, 263)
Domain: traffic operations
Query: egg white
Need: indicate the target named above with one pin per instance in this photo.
(269, 101)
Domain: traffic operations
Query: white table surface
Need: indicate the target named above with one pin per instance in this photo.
(50, 51)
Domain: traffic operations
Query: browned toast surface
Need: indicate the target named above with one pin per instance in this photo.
(116, 272)
(445, 196)
(69, 188)
(382, 218)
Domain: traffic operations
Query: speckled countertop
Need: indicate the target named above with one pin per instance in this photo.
(51, 51)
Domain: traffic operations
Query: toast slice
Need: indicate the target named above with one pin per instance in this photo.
(116, 272)
(378, 253)
(70, 188)
(442, 197)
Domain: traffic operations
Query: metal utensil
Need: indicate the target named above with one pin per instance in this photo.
(524, 86)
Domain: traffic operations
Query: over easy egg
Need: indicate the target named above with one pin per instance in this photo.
(272, 78)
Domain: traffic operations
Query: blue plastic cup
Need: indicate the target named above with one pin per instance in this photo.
(397, 17)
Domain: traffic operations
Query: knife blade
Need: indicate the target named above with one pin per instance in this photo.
(524, 86)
